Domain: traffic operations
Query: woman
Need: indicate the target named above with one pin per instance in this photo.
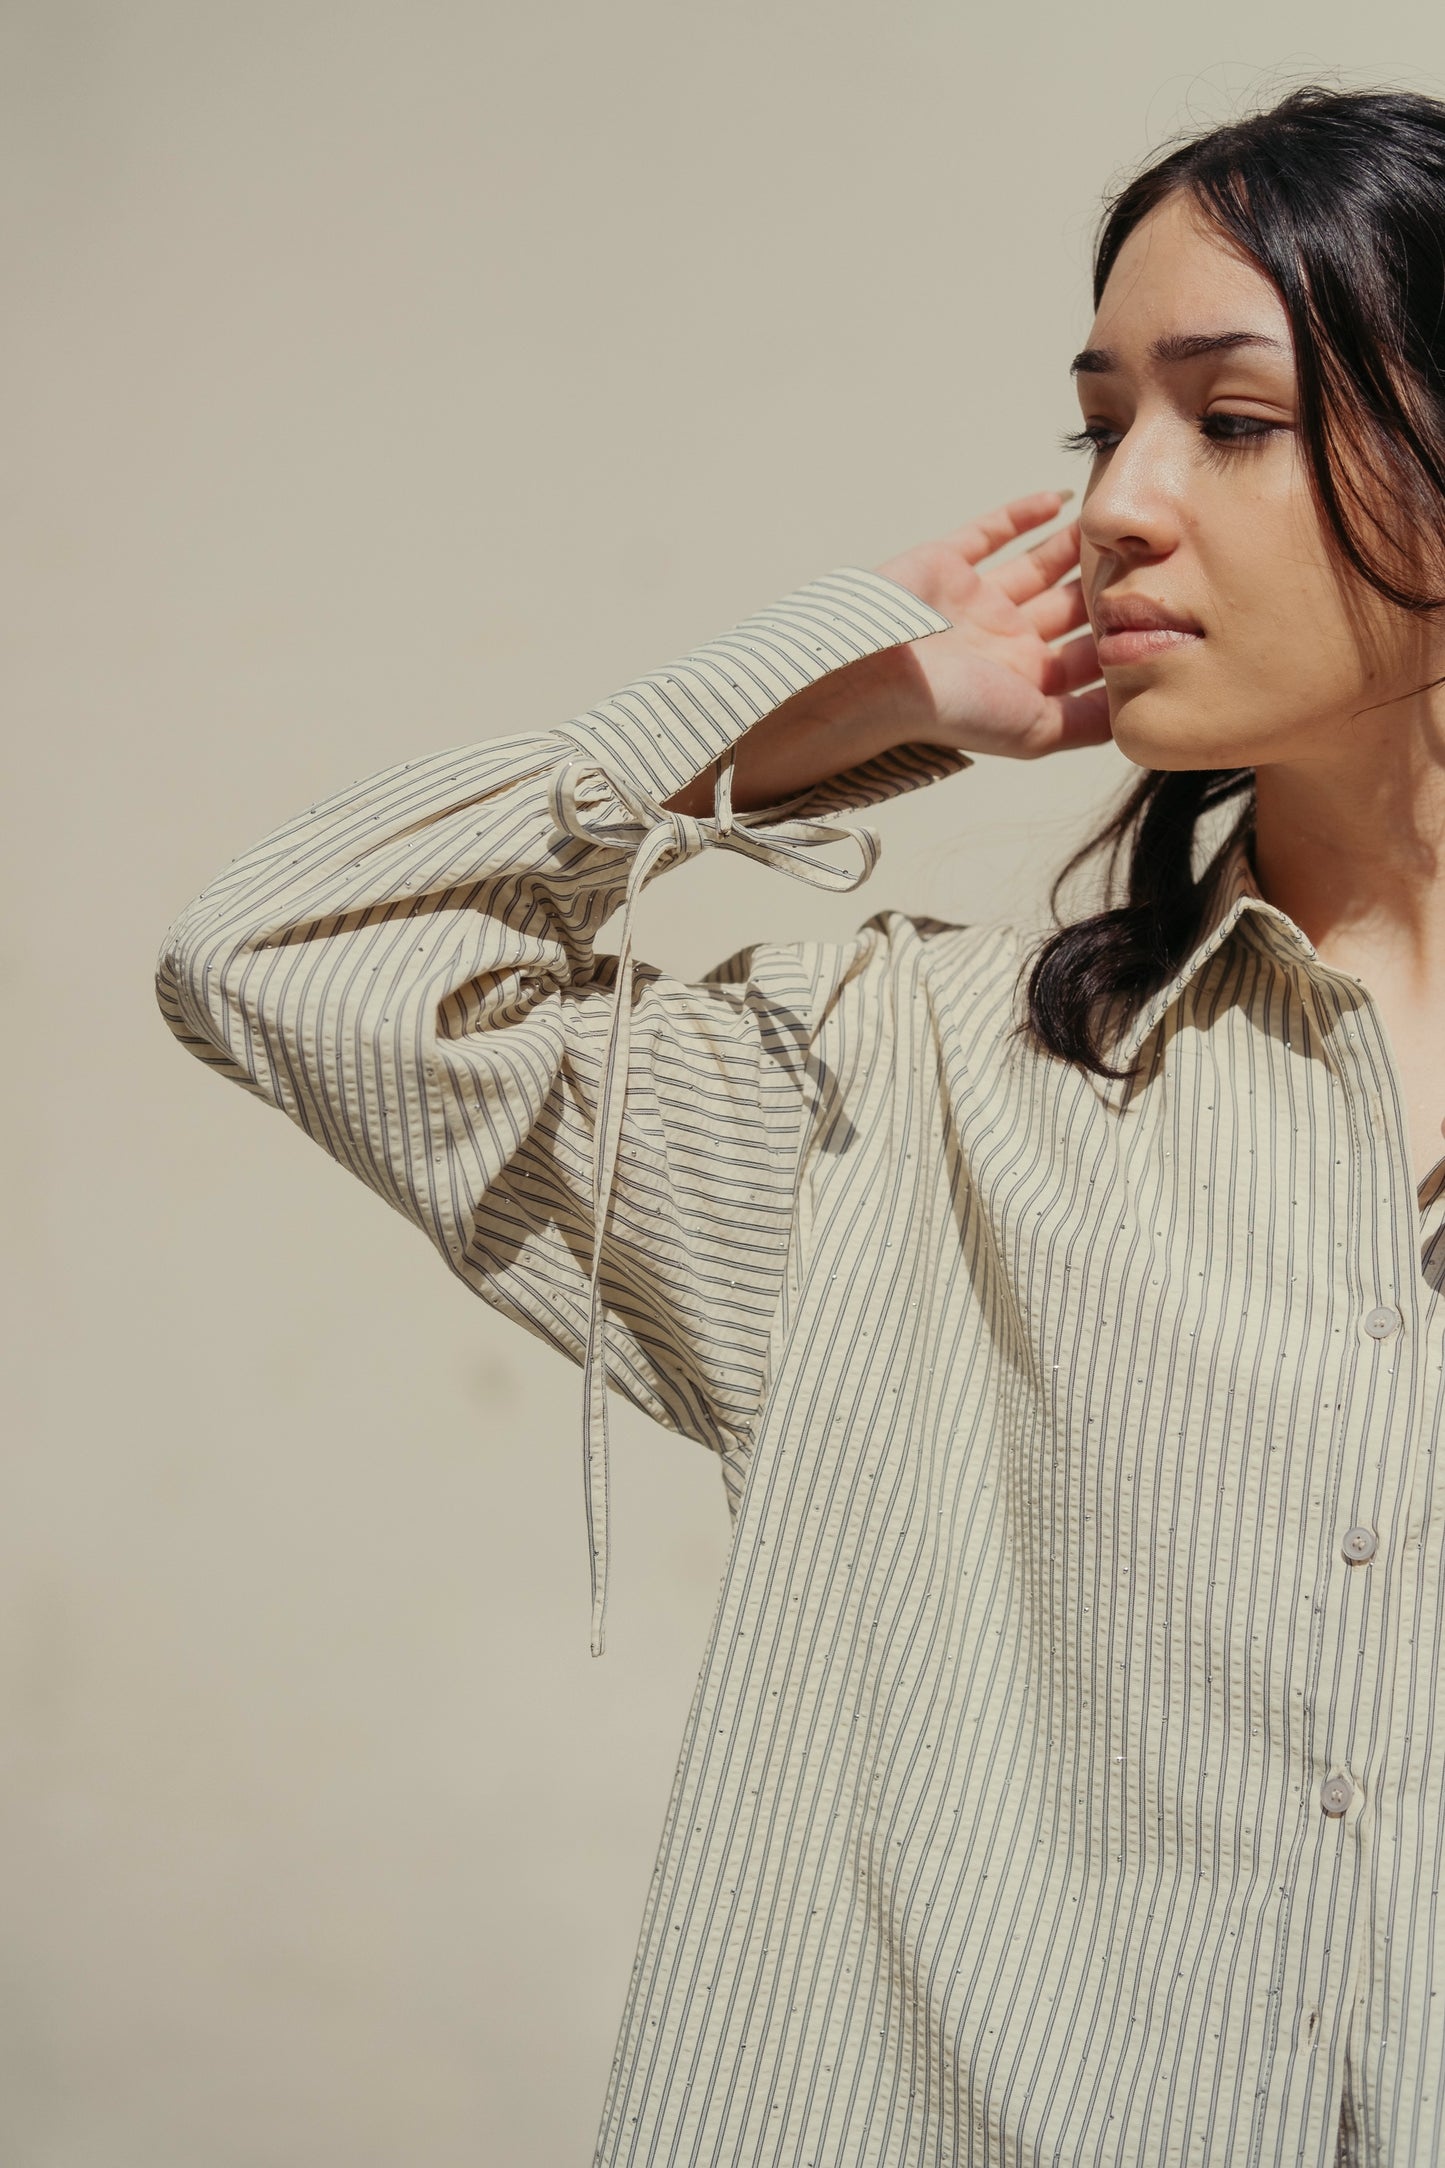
(1064, 1776)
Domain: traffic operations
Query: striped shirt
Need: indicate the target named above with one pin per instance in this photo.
(1062, 1782)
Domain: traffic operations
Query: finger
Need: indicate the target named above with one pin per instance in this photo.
(1072, 665)
(1038, 567)
(982, 536)
(1083, 720)
(1057, 610)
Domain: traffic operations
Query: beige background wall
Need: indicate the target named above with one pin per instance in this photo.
(378, 376)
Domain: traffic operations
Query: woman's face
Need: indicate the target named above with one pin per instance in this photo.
(1198, 501)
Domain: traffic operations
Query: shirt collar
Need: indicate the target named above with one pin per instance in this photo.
(1233, 891)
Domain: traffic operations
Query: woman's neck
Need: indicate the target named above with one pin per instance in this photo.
(1353, 849)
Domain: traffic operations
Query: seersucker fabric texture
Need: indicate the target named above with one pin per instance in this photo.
(1063, 1779)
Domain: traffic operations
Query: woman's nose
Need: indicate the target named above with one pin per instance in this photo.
(1133, 502)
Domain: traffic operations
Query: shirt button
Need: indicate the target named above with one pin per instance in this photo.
(1358, 1544)
(1336, 1794)
(1379, 1324)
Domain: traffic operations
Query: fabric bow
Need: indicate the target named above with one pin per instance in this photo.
(792, 846)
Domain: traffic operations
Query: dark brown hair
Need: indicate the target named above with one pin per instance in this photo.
(1339, 198)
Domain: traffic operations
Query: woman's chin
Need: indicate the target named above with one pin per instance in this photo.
(1155, 733)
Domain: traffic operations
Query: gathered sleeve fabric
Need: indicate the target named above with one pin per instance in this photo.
(605, 1154)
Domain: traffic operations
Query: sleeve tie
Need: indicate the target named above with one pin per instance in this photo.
(660, 837)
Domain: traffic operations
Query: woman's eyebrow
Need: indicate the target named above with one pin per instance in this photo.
(1172, 346)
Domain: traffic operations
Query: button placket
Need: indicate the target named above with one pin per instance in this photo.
(1385, 1466)
(1401, 1823)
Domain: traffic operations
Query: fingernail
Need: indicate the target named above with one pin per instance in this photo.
(1064, 495)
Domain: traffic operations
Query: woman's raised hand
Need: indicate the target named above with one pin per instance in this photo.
(992, 683)
(995, 682)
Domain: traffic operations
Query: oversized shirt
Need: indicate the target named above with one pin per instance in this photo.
(1063, 1779)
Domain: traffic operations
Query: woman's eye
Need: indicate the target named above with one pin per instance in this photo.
(1085, 440)
(1219, 431)
(1237, 428)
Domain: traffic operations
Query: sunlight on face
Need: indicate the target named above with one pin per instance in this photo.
(1198, 501)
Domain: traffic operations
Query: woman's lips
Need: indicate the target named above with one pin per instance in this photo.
(1143, 643)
